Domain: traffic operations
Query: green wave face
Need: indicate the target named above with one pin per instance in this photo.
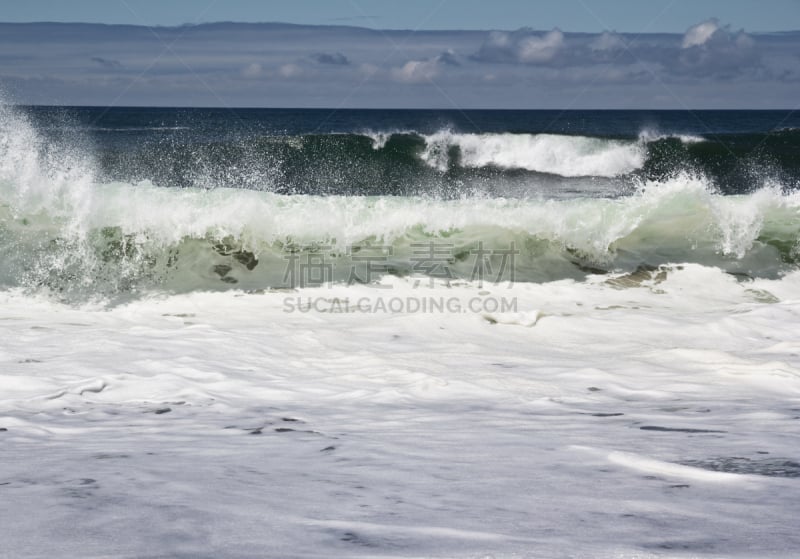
(139, 238)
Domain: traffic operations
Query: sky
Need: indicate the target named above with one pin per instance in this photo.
(565, 54)
(569, 15)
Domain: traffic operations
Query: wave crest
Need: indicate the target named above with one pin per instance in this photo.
(567, 156)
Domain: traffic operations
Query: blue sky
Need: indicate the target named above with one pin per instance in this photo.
(569, 15)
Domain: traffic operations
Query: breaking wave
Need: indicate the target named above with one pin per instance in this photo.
(68, 230)
(567, 156)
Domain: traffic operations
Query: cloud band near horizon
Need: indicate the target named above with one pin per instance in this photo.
(282, 65)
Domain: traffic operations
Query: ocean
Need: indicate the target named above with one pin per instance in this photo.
(399, 333)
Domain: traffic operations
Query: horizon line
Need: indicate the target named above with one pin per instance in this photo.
(359, 27)
(340, 109)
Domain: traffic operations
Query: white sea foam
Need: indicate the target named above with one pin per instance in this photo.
(683, 209)
(652, 135)
(568, 156)
(380, 138)
(406, 434)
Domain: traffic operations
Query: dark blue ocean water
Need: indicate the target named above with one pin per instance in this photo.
(433, 152)
(219, 122)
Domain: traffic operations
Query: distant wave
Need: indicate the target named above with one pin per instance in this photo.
(555, 154)
(649, 135)
(568, 156)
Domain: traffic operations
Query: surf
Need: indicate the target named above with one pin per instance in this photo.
(69, 229)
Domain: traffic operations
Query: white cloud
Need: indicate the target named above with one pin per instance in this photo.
(290, 71)
(709, 48)
(416, 71)
(499, 39)
(521, 46)
(420, 71)
(699, 34)
(539, 49)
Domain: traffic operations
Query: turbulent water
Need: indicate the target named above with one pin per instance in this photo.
(99, 203)
(314, 334)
